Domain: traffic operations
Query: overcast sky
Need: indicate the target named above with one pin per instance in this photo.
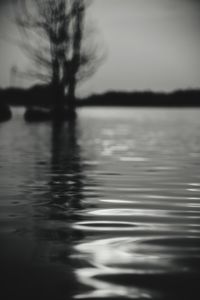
(151, 44)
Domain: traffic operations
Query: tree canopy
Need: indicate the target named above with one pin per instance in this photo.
(58, 42)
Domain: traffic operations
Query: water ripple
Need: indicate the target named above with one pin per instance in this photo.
(112, 200)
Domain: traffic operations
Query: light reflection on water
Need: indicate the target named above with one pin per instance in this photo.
(107, 206)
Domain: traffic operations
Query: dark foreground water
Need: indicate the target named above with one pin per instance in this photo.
(107, 208)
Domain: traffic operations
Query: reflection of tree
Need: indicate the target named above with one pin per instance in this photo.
(61, 207)
(67, 182)
(63, 201)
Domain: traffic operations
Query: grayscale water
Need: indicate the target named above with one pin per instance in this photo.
(105, 208)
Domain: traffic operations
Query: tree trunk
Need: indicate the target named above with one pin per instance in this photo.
(76, 46)
(71, 95)
(58, 91)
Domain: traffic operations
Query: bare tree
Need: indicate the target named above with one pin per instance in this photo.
(56, 41)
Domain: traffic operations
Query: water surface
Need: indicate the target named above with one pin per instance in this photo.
(107, 207)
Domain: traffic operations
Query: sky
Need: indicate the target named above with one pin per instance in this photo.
(150, 45)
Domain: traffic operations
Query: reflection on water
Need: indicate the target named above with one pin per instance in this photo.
(105, 207)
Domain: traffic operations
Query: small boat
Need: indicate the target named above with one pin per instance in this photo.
(39, 114)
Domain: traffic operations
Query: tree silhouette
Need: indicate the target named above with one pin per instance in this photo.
(56, 40)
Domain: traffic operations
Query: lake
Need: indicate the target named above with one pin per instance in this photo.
(106, 207)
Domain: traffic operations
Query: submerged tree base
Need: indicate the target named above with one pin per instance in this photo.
(38, 114)
(5, 113)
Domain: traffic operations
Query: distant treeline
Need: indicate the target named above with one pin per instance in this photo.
(38, 95)
(184, 98)
(43, 96)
